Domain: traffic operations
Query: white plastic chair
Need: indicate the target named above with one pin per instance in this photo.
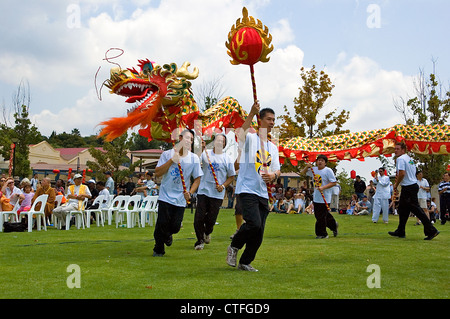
(115, 204)
(38, 213)
(98, 211)
(58, 200)
(79, 220)
(130, 213)
(149, 207)
(5, 214)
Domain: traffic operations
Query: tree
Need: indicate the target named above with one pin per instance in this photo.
(67, 140)
(311, 100)
(346, 183)
(429, 106)
(209, 93)
(113, 158)
(139, 142)
(22, 134)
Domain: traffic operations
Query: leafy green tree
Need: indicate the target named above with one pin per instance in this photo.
(429, 106)
(67, 140)
(308, 105)
(113, 158)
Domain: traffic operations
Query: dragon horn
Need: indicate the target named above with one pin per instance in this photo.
(183, 72)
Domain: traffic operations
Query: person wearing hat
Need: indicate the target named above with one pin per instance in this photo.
(109, 184)
(75, 194)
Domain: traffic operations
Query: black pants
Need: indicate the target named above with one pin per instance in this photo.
(444, 202)
(168, 223)
(205, 216)
(323, 219)
(254, 211)
(409, 203)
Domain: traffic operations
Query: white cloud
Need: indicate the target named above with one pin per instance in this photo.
(367, 91)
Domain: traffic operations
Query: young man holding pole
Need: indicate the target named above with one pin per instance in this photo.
(258, 166)
(324, 180)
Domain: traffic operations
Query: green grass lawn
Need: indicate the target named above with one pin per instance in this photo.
(118, 263)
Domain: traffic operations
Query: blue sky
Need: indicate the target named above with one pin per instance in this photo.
(372, 51)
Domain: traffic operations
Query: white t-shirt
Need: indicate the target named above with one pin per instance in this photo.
(171, 190)
(105, 194)
(250, 165)
(405, 163)
(223, 167)
(325, 176)
(422, 193)
(9, 193)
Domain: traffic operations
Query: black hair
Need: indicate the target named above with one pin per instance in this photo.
(321, 156)
(264, 111)
(214, 137)
(187, 130)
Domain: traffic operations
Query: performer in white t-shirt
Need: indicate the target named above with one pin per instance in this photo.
(172, 197)
(323, 183)
(210, 195)
(408, 203)
(259, 164)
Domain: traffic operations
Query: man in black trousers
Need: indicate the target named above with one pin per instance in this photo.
(406, 177)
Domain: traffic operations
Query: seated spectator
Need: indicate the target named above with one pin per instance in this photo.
(351, 208)
(75, 195)
(45, 188)
(299, 202)
(364, 206)
(11, 192)
(279, 196)
(94, 193)
(432, 209)
(310, 208)
(103, 191)
(25, 203)
(59, 187)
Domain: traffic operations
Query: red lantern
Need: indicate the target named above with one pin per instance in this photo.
(373, 173)
(448, 167)
(56, 171)
(353, 174)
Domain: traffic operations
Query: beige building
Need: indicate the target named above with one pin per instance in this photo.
(44, 159)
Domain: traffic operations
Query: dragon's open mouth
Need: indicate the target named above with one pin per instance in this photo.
(143, 95)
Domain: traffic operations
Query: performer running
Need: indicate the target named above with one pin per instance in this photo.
(172, 198)
(323, 182)
(406, 177)
(259, 165)
(210, 196)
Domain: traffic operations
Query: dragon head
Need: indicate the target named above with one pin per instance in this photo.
(158, 93)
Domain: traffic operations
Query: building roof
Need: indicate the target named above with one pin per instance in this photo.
(71, 152)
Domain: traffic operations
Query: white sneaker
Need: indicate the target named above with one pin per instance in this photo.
(207, 239)
(232, 256)
(247, 267)
(200, 246)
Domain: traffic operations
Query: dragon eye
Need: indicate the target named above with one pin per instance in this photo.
(147, 68)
